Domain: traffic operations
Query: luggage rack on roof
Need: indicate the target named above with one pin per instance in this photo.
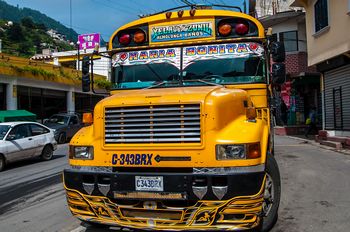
(194, 7)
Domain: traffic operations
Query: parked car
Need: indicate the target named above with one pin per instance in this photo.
(65, 125)
(23, 140)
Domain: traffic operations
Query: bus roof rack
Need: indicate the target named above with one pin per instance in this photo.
(193, 6)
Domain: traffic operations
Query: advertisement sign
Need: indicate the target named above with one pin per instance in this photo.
(182, 31)
(191, 53)
(88, 41)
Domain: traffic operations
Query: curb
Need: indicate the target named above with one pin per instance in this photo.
(315, 144)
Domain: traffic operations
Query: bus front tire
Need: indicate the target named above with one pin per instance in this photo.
(272, 194)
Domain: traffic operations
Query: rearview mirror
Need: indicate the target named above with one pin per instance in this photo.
(278, 52)
(278, 73)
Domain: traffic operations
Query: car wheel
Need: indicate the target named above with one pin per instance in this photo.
(47, 153)
(61, 138)
(2, 163)
(272, 194)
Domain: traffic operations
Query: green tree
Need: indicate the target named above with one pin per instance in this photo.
(28, 22)
(15, 32)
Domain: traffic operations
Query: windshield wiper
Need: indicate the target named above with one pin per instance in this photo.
(202, 81)
(156, 85)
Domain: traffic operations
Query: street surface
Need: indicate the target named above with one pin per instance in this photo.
(315, 192)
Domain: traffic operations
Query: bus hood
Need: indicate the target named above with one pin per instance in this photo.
(172, 95)
(217, 103)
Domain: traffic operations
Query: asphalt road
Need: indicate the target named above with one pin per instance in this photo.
(315, 192)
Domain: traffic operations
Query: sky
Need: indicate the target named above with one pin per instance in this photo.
(104, 16)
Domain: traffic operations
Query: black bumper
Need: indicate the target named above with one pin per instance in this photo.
(238, 184)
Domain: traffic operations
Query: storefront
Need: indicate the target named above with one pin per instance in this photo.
(42, 102)
(337, 100)
(296, 98)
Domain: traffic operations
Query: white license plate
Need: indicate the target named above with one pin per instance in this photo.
(149, 183)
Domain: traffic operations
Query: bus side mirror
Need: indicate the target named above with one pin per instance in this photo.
(278, 73)
(278, 52)
(85, 79)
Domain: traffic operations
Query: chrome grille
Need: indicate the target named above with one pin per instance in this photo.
(153, 124)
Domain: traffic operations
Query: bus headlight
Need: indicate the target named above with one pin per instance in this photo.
(238, 151)
(81, 152)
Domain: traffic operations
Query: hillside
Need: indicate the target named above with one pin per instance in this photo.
(12, 13)
(27, 38)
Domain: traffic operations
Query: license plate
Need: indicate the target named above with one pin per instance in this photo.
(149, 183)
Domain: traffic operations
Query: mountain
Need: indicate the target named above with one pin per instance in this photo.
(15, 14)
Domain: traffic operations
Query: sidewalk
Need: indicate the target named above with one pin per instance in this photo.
(311, 140)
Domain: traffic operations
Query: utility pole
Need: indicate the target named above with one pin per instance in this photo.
(0, 46)
(70, 19)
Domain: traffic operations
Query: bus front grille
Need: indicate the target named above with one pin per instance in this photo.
(153, 124)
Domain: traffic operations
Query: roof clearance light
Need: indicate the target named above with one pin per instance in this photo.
(139, 37)
(124, 39)
(241, 28)
(225, 29)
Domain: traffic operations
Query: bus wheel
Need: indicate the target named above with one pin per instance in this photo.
(272, 194)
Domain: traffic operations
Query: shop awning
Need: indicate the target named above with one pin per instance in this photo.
(16, 115)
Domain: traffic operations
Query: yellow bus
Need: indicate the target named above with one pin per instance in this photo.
(184, 142)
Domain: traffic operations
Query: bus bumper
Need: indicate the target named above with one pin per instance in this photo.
(218, 201)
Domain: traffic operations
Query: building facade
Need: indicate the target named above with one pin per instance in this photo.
(301, 91)
(272, 7)
(41, 89)
(328, 23)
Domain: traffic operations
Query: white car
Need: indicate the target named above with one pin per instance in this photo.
(23, 140)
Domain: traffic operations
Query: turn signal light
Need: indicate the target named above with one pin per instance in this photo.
(225, 29)
(87, 118)
(124, 39)
(253, 151)
(241, 28)
(139, 37)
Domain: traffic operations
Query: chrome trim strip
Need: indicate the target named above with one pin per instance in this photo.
(153, 129)
(123, 110)
(152, 135)
(148, 125)
(153, 119)
(154, 140)
(151, 115)
(230, 170)
(91, 168)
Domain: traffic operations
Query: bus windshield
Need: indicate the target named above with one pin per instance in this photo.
(190, 66)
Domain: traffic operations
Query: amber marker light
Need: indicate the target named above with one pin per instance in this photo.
(225, 29)
(168, 15)
(139, 37)
(87, 118)
(192, 12)
(253, 151)
(180, 13)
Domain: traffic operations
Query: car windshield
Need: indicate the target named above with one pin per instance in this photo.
(59, 119)
(190, 66)
(3, 131)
